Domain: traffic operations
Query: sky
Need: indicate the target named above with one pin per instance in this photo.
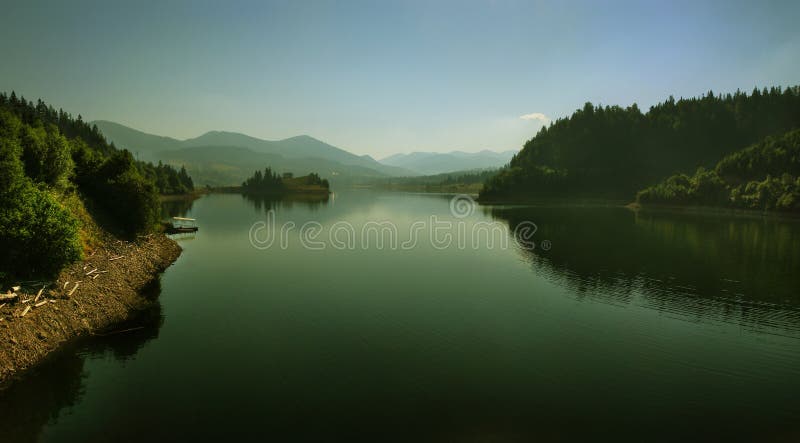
(381, 77)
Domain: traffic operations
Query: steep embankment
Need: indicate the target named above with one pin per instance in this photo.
(86, 298)
(78, 228)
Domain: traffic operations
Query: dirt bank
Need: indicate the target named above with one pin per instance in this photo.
(88, 297)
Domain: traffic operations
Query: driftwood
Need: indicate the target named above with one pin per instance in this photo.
(38, 294)
(3, 305)
(65, 284)
(8, 296)
(116, 258)
(16, 288)
(95, 276)
(26, 300)
(120, 331)
(92, 271)
(73, 289)
(41, 303)
(25, 311)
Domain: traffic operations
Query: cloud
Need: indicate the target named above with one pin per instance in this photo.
(538, 116)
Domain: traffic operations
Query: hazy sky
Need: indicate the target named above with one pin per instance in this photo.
(380, 77)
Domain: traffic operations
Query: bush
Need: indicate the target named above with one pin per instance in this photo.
(37, 235)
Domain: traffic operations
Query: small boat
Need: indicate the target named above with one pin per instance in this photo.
(180, 225)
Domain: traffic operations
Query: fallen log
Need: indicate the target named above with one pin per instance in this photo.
(38, 294)
(8, 296)
(25, 311)
(116, 258)
(41, 303)
(91, 272)
(74, 288)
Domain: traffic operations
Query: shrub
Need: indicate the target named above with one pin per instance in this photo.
(37, 235)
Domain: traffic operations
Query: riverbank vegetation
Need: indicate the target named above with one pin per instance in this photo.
(55, 170)
(764, 177)
(613, 152)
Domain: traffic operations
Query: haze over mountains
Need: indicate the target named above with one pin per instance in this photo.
(219, 158)
(429, 163)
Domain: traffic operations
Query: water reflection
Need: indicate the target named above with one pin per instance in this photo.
(264, 203)
(51, 389)
(737, 268)
(177, 206)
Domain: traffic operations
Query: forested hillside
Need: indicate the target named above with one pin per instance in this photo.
(612, 152)
(52, 167)
(765, 176)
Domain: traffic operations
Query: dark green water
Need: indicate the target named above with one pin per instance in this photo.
(630, 326)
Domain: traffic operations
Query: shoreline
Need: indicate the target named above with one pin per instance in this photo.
(81, 302)
(283, 193)
(711, 210)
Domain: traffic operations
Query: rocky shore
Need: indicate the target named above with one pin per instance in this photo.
(88, 297)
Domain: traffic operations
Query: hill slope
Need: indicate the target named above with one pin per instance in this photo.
(765, 176)
(612, 152)
(143, 145)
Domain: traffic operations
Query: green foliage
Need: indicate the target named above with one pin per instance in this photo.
(168, 180)
(761, 177)
(37, 235)
(613, 151)
(265, 182)
(116, 183)
(704, 188)
(316, 180)
(47, 155)
(773, 156)
(11, 170)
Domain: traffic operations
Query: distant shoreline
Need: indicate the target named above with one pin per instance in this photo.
(289, 191)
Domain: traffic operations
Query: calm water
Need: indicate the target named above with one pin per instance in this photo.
(634, 326)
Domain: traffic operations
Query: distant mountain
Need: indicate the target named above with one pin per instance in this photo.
(219, 158)
(301, 146)
(143, 145)
(230, 165)
(429, 163)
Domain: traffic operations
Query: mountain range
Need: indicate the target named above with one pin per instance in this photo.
(219, 158)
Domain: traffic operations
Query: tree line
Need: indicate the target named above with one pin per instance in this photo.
(50, 160)
(613, 152)
(267, 181)
(270, 182)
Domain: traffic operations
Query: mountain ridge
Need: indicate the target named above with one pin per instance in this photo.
(297, 154)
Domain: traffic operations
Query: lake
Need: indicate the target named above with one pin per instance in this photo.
(355, 317)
